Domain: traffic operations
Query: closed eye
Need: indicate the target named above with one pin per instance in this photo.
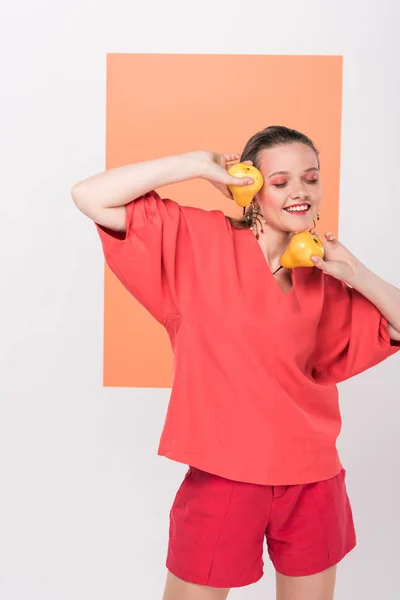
(282, 185)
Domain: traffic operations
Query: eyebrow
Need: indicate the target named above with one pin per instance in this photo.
(287, 172)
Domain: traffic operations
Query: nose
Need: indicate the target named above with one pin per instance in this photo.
(299, 194)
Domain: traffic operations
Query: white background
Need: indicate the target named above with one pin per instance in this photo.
(84, 500)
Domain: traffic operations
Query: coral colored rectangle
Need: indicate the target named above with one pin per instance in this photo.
(160, 105)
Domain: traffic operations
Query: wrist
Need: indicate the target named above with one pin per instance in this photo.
(181, 167)
(200, 161)
(359, 274)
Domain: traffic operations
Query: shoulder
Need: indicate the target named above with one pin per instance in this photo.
(338, 295)
(205, 220)
(333, 286)
(157, 207)
(321, 288)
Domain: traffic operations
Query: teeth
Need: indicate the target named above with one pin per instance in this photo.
(301, 208)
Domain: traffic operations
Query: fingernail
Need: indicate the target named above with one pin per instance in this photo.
(250, 181)
(314, 259)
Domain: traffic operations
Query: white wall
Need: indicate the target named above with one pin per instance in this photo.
(84, 500)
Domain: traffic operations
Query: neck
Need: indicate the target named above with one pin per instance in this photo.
(273, 244)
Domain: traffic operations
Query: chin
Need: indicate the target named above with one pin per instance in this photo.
(299, 224)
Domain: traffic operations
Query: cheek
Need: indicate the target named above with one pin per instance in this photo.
(271, 198)
(316, 193)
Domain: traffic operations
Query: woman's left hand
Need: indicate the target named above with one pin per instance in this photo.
(338, 261)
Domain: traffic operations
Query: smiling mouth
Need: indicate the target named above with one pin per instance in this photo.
(298, 209)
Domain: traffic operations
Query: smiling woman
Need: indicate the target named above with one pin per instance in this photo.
(254, 409)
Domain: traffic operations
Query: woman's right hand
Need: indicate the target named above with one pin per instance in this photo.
(214, 168)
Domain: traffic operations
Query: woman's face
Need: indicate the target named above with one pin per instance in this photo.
(291, 179)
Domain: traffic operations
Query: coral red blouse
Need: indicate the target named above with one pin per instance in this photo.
(254, 394)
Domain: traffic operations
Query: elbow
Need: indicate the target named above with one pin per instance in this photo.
(394, 334)
(78, 196)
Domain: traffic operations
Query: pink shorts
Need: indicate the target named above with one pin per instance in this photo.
(218, 526)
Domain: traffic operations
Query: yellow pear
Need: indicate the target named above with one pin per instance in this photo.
(301, 247)
(244, 194)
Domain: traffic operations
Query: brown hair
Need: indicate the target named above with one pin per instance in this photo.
(272, 136)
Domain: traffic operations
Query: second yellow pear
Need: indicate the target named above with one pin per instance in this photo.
(301, 248)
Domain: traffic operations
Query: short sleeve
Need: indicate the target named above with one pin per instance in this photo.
(144, 256)
(352, 335)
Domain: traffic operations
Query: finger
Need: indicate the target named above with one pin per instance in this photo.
(231, 157)
(313, 231)
(240, 181)
(330, 237)
(236, 160)
(318, 262)
(321, 264)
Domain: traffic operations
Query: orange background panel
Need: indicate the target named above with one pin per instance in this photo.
(159, 105)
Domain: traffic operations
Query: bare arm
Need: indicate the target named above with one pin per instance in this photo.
(342, 264)
(102, 197)
(384, 295)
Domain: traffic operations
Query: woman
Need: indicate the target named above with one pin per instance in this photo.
(258, 352)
